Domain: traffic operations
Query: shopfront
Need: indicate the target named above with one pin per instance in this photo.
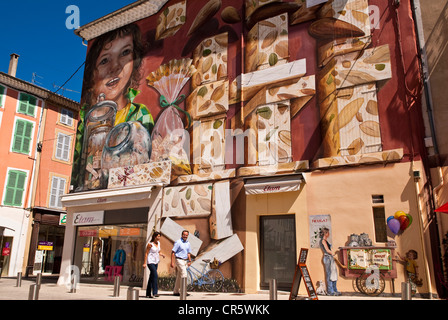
(276, 211)
(113, 247)
(47, 240)
(106, 234)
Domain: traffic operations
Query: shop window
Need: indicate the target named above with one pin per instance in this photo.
(379, 218)
(23, 134)
(107, 250)
(15, 187)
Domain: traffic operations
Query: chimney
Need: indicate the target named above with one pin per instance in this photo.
(13, 64)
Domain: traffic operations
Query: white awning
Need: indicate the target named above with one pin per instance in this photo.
(273, 184)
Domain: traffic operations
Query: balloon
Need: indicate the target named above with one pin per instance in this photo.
(390, 217)
(399, 214)
(410, 219)
(404, 222)
(394, 225)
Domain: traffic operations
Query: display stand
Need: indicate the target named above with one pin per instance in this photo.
(302, 272)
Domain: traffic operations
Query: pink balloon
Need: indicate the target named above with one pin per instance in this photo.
(394, 225)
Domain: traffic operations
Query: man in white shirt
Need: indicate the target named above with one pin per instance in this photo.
(181, 256)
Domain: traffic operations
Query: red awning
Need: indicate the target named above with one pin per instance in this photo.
(443, 208)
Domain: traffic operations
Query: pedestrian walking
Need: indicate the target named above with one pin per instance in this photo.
(152, 259)
(181, 259)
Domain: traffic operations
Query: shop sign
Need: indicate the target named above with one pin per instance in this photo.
(272, 185)
(6, 251)
(62, 219)
(104, 233)
(88, 218)
(45, 245)
(88, 233)
(126, 232)
(364, 258)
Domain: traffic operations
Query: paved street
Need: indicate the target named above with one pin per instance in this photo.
(51, 291)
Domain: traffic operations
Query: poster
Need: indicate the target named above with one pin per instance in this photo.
(316, 224)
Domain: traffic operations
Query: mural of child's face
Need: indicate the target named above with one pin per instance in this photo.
(113, 70)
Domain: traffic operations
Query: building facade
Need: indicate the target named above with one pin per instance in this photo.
(37, 127)
(256, 126)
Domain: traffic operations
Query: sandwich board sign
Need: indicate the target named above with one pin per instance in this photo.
(302, 272)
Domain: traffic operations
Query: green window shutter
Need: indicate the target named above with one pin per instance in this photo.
(22, 136)
(27, 104)
(2, 93)
(15, 188)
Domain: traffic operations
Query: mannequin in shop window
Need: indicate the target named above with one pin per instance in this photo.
(331, 270)
(119, 257)
(96, 253)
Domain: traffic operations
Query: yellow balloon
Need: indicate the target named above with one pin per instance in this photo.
(399, 214)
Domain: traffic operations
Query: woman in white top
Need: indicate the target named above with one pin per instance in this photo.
(152, 261)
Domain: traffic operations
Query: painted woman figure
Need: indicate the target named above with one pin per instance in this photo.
(112, 73)
(331, 271)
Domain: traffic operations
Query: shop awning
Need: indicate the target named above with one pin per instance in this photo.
(443, 208)
(273, 184)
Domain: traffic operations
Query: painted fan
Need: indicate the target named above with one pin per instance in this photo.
(170, 78)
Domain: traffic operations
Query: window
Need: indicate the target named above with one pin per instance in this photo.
(66, 117)
(63, 147)
(379, 219)
(22, 136)
(57, 189)
(377, 198)
(15, 188)
(27, 104)
(2, 96)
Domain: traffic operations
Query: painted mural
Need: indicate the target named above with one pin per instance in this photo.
(160, 94)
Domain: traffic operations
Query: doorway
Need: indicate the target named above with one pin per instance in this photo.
(277, 250)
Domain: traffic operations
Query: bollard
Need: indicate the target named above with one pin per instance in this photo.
(39, 279)
(273, 289)
(34, 292)
(132, 293)
(19, 279)
(73, 284)
(183, 289)
(117, 286)
(406, 291)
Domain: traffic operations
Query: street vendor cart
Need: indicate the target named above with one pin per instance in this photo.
(369, 267)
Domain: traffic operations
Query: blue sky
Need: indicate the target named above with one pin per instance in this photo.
(36, 30)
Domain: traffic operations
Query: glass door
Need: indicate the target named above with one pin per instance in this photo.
(278, 250)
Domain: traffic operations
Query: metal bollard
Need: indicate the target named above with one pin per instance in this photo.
(183, 289)
(34, 292)
(117, 286)
(73, 284)
(406, 291)
(273, 289)
(39, 279)
(133, 294)
(19, 279)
